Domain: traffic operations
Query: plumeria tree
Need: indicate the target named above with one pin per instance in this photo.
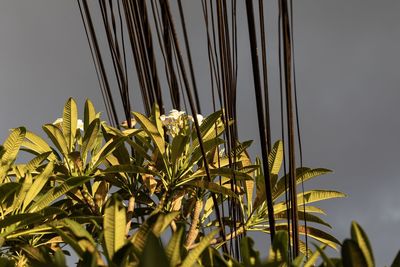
(108, 192)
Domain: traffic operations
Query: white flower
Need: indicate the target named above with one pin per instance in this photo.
(58, 122)
(221, 151)
(177, 120)
(79, 124)
(125, 123)
(200, 118)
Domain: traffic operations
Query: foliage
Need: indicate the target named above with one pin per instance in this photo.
(110, 194)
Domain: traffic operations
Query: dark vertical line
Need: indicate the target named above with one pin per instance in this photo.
(290, 122)
(189, 56)
(298, 122)
(260, 116)
(265, 74)
(287, 187)
(100, 61)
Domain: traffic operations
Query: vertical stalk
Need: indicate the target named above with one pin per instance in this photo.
(287, 51)
(260, 113)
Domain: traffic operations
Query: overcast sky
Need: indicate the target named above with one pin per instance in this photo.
(348, 81)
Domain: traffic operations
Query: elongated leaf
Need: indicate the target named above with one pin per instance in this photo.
(40, 145)
(249, 255)
(162, 222)
(207, 128)
(26, 185)
(310, 197)
(275, 158)
(114, 225)
(359, 236)
(57, 137)
(223, 172)
(208, 145)
(35, 162)
(69, 123)
(313, 258)
(315, 233)
(177, 147)
(318, 195)
(152, 131)
(38, 184)
(19, 221)
(139, 150)
(325, 259)
(213, 187)
(90, 138)
(58, 191)
(107, 149)
(8, 189)
(173, 249)
(70, 241)
(12, 144)
(304, 216)
(89, 114)
(129, 169)
(302, 174)
(396, 261)
(195, 253)
(153, 253)
(352, 255)
(78, 230)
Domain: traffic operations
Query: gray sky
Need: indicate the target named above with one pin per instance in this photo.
(348, 85)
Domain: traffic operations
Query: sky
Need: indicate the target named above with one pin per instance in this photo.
(347, 79)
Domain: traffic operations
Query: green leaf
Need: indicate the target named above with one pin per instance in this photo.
(275, 158)
(38, 184)
(8, 189)
(36, 161)
(315, 233)
(223, 172)
(195, 253)
(163, 221)
(352, 255)
(358, 235)
(78, 230)
(89, 114)
(114, 225)
(318, 195)
(174, 246)
(208, 145)
(152, 131)
(153, 253)
(250, 257)
(90, 137)
(207, 128)
(313, 258)
(12, 144)
(279, 249)
(57, 137)
(69, 124)
(303, 216)
(326, 260)
(106, 150)
(129, 169)
(58, 191)
(302, 175)
(177, 147)
(213, 187)
(396, 261)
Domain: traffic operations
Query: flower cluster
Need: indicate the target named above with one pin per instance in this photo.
(177, 121)
(58, 122)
